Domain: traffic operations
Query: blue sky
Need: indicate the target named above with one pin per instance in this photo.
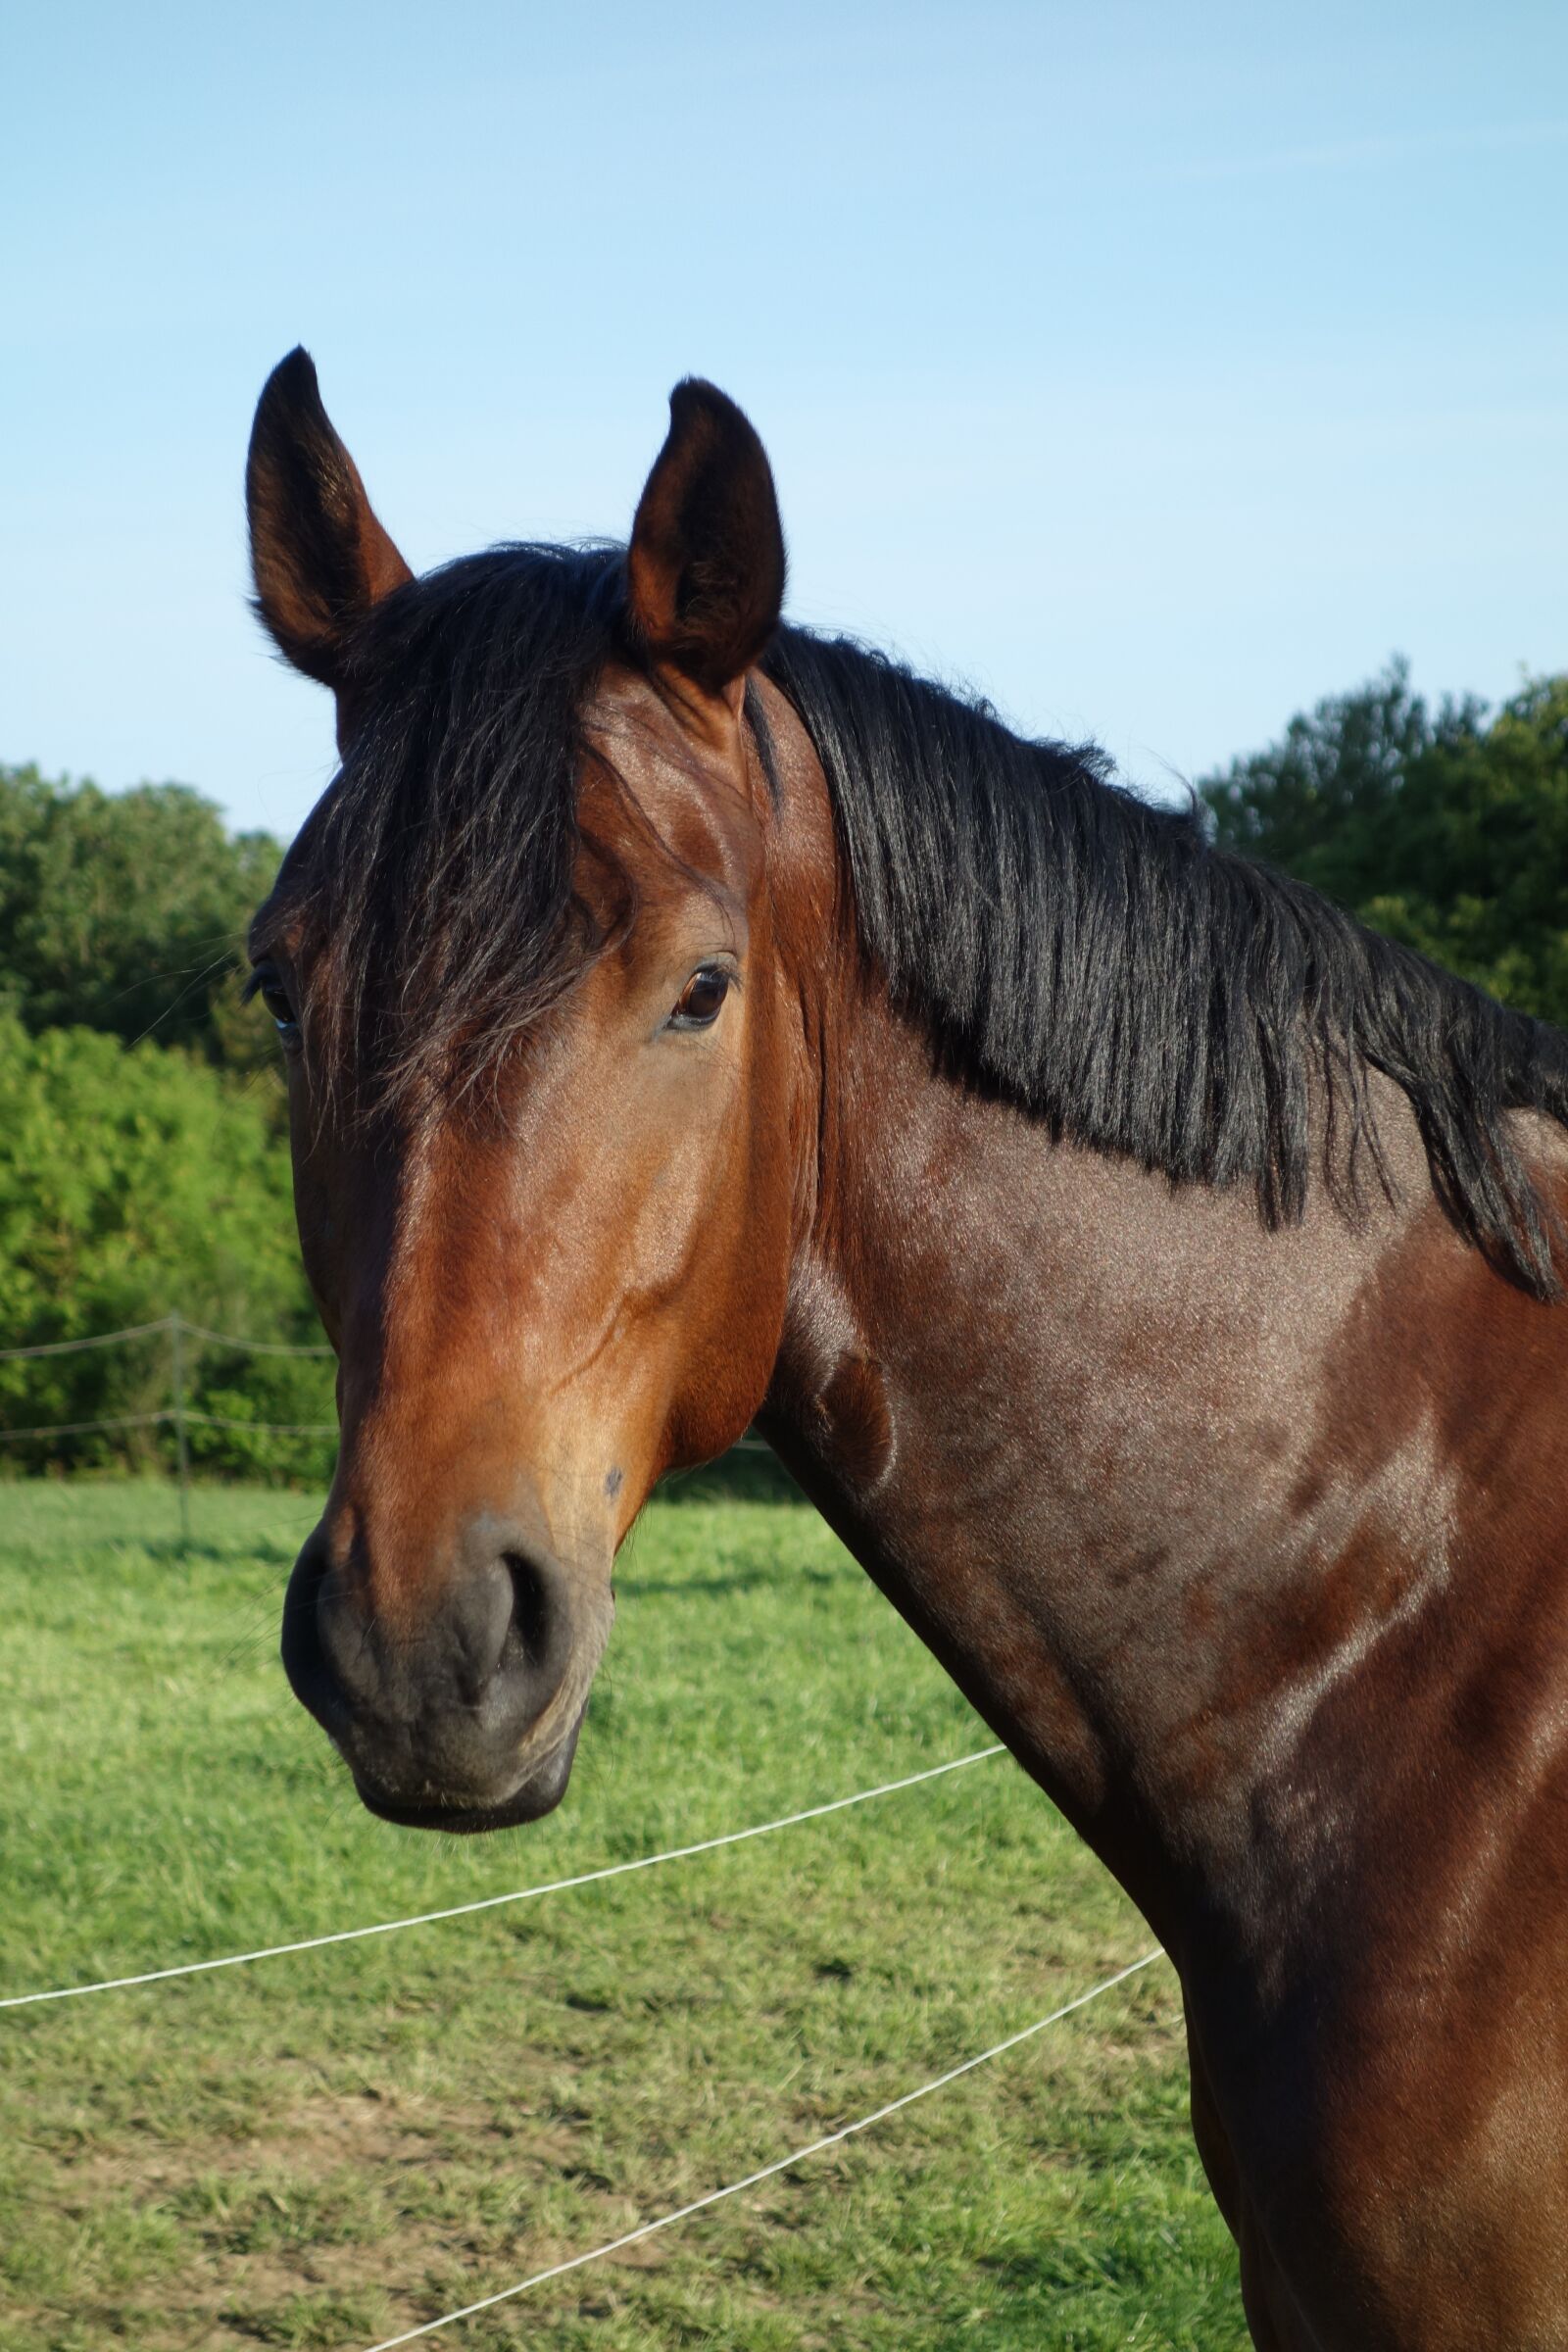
(1154, 369)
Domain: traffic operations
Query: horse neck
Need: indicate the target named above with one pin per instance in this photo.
(1108, 1447)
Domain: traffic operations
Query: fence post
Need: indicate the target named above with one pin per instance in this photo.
(176, 1335)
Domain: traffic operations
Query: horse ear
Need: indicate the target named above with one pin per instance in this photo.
(705, 570)
(318, 556)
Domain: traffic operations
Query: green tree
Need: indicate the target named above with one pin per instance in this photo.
(1445, 830)
(125, 911)
(135, 1181)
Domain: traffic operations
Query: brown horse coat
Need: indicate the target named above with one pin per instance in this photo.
(1245, 1533)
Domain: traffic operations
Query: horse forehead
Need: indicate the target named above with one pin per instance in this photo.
(657, 784)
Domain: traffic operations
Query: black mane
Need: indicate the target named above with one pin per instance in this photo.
(1092, 956)
(1145, 993)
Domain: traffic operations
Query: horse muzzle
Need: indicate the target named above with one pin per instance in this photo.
(459, 1711)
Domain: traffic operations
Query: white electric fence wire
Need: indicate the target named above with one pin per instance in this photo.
(264, 1429)
(769, 2172)
(232, 1339)
(76, 1428)
(100, 1338)
(496, 1902)
(276, 1428)
(170, 1324)
(147, 1331)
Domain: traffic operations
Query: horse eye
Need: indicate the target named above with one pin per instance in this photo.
(702, 1000)
(273, 996)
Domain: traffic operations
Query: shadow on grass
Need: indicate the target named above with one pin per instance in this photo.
(267, 1551)
(750, 1581)
(736, 1477)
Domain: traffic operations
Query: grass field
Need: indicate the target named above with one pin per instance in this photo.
(320, 2150)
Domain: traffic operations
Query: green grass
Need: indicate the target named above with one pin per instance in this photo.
(320, 2150)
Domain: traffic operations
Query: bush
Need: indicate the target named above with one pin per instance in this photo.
(137, 1182)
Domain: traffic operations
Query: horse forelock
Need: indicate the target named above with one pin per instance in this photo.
(432, 888)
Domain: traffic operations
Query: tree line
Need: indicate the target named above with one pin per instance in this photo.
(1446, 829)
(143, 1157)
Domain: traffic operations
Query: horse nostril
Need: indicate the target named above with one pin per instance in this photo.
(307, 1606)
(528, 1635)
(310, 1571)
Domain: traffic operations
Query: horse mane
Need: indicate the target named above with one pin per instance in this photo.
(1145, 993)
(1092, 956)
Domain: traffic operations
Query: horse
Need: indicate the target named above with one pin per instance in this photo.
(1152, 1275)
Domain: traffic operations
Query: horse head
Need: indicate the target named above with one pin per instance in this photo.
(545, 1063)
